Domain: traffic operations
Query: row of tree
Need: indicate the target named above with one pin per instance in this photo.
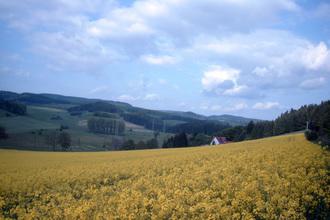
(13, 107)
(56, 138)
(153, 120)
(184, 140)
(315, 118)
(199, 126)
(3, 133)
(96, 107)
(106, 126)
(143, 119)
(131, 145)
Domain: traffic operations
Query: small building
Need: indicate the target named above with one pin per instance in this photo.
(219, 140)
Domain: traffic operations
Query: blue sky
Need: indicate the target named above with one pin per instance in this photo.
(244, 57)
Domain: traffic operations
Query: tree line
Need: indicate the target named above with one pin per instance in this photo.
(199, 126)
(13, 107)
(106, 126)
(316, 117)
(131, 145)
(153, 120)
(55, 138)
(187, 140)
(96, 107)
(147, 121)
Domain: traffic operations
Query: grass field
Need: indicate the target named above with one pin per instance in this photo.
(282, 177)
(24, 130)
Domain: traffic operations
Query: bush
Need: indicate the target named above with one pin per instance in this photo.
(311, 135)
(64, 139)
(324, 140)
(3, 133)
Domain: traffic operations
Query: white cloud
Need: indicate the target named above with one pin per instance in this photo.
(219, 78)
(124, 25)
(265, 105)
(99, 89)
(313, 83)
(224, 108)
(236, 90)
(126, 98)
(73, 52)
(146, 97)
(159, 60)
(237, 107)
(316, 57)
(261, 71)
(268, 59)
(151, 97)
(137, 28)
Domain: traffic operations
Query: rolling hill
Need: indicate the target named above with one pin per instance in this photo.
(69, 101)
(46, 113)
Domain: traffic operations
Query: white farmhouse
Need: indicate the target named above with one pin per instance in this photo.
(218, 140)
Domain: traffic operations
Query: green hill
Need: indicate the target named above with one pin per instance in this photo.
(47, 113)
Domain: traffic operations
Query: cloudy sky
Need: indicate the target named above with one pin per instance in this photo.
(253, 58)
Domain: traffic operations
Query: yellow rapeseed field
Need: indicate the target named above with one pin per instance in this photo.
(275, 178)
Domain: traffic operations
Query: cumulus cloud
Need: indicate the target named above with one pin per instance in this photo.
(124, 25)
(73, 52)
(219, 79)
(236, 90)
(270, 59)
(224, 81)
(131, 31)
(316, 57)
(265, 105)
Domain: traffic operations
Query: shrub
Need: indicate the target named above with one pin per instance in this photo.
(311, 135)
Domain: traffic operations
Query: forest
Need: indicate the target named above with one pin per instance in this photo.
(315, 119)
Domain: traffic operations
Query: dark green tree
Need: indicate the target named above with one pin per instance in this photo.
(140, 145)
(128, 145)
(179, 140)
(199, 139)
(152, 143)
(3, 133)
(64, 140)
(51, 138)
(249, 127)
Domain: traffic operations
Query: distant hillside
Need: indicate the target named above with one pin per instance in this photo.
(232, 120)
(315, 118)
(126, 109)
(30, 98)
(33, 121)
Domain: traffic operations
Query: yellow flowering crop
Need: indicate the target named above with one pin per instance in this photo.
(275, 178)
